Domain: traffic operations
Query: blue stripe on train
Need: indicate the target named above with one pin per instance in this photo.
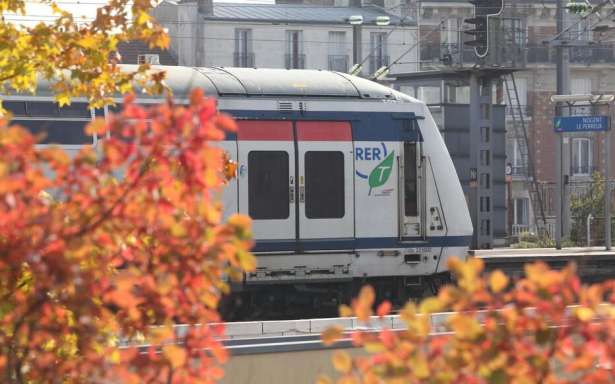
(360, 243)
(366, 126)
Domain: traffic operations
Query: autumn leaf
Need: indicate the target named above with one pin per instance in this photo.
(331, 335)
(342, 362)
(384, 309)
(175, 355)
(498, 281)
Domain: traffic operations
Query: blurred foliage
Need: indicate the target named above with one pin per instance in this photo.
(544, 328)
(100, 265)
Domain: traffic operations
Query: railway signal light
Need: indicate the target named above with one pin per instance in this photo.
(483, 9)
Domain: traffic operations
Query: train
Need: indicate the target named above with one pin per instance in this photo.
(347, 181)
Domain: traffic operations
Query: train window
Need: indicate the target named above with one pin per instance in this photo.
(42, 108)
(268, 176)
(410, 180)
(76, 110)
(17, 108)
(58, 131)
(324, 185)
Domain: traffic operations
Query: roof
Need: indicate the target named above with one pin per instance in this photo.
(299, 13)
(130, 51)
(252, 82)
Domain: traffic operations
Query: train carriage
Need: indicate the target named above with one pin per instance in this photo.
(346, 180)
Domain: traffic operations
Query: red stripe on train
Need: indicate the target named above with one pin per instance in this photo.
(264, 130)
(324, 131)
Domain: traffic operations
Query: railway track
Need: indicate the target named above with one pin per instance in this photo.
(593, 264)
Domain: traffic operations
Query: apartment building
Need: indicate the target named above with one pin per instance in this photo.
(315, 36)
(524, 27)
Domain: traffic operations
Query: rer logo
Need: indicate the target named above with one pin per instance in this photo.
(379, 174)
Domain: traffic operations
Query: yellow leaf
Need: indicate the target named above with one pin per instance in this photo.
(345, 311)
(498, 281)
(115, 357)
(322, 379)
(374, 347)
(342, 362)
(584, 313)
(465, 327)
(420, 368)
(88, 41)
(175, 355)
(367, 295)
(331, 335)
(63, 99)
(430, 305)
(247, 261)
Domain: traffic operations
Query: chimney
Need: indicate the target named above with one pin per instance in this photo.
(206, 7)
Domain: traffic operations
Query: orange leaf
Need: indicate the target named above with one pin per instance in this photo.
(342, 362)
(322, 379)
(498, 281)
(345, 311)
(331, 335)
(384, 309)
(175, 355)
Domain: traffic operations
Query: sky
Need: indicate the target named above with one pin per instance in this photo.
(85, 9)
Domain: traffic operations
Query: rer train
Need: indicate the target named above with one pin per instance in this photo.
(347, 181)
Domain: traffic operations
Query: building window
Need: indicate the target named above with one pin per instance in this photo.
(148, 58)
(379, 56)
(449, 38)
(485, 134)
(521, 209)
(295, 59)
(519, 162)
(581, 157)
(338, 59)
(268, 175)
(485, 157)
(244, 56)
(581, 86)
(485, 204)
(324, 185)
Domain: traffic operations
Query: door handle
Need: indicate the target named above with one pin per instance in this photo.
(301, 194)
(291, 194)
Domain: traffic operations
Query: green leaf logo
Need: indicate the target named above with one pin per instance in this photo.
(381, 173)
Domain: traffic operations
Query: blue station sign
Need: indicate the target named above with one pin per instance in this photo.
(581, 123)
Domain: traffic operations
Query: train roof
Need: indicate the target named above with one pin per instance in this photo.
(261, 82)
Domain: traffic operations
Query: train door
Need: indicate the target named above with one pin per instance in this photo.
(266, 177)
(326, 188)
(412, 190)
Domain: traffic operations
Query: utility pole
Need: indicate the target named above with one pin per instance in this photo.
(563, 88)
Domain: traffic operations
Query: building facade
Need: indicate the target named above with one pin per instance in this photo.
(523, 28)
(314, 36)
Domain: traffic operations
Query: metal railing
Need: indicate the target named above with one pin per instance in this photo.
(294, 61)
(338, 63)
(243, 59)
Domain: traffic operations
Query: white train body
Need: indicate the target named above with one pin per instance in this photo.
(345, 179)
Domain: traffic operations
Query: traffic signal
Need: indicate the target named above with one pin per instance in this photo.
(483, 9)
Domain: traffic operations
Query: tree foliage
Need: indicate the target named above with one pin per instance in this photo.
(544, 328)
(584, 204)
(79, 58)
(112, 260)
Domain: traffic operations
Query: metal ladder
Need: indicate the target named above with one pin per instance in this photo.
(521, 136)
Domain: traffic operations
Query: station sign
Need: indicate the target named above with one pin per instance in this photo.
(581, 123)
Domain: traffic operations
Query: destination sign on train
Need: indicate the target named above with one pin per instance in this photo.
(581, 123)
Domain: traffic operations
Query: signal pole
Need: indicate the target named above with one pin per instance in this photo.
(563, 88)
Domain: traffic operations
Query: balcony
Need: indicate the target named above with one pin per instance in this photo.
(243, 59)
(578, 55)
(294, 61)
(375, 62)
(338, 63)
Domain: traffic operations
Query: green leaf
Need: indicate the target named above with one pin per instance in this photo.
(380, 175)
